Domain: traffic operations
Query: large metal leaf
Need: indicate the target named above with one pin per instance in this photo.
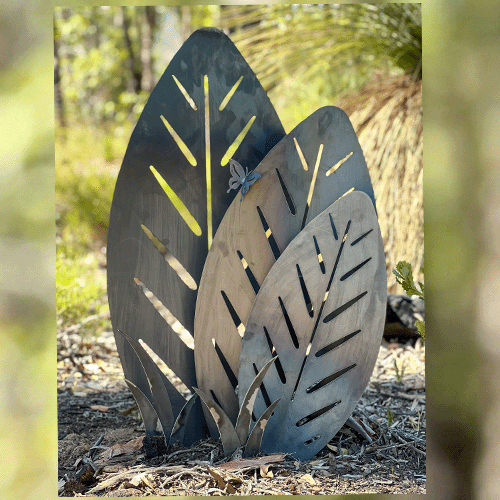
(171, 194)
(324, 323)
(319, 161)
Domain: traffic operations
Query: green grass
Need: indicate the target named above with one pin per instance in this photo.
(87, 163)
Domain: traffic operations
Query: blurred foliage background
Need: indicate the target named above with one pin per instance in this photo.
(462, 110)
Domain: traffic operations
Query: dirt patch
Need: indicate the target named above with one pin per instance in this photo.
(93, 401)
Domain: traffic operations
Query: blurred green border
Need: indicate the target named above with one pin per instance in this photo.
(460, 61)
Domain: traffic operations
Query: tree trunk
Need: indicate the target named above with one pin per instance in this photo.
(131, 60)
(147, 82)
(59, 103)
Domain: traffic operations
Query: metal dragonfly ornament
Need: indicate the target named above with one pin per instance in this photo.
(241, 177)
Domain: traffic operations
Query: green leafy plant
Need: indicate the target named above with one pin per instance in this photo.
(390, 416)
(399, 371)
(404, 276)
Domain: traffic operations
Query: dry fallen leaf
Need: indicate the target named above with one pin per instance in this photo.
(220, 480)
(307, 478)
(122, 449)
(251, 463)
(265, 472)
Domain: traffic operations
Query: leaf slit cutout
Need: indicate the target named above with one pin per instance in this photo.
(248, 271)
(343, 307)
(176, 201)
(277, 364)
(291, 329)
(214, 397)
(171, 260)
(269, 235)
(339, 253)
(337, 343)
(229, 372)
(311, 187)
(301, 155)
(160, 363)
(265, 395)
(327, 380)
(316, 414)
(286, 194)
(239, 139)
(188, 98)
(334, 229)
(234, 315)
(305, 293)
(314, 438)
(208, 166)
(338, 164)
(172, 321)
(357, 240)
(230, 94)
(320, 257)
(347, 192)
(354, 269)
(182, 146)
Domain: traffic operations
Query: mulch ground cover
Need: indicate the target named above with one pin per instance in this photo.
(100, 436)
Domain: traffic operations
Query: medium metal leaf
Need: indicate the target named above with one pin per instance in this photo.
(327, 358)
(170, 196)
(297, 183)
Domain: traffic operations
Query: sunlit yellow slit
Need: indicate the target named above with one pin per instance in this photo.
(315, 174)
(208, 166)
(241, 329)
(230, 94)
(181, 208)
(173, 322)
(301, 155)
(171, 260)
(234, 146)
(347, 192)
(184, 93)
(337, 165)
(185, 150)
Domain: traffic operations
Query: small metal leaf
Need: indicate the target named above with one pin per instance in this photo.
(179, 428)
(246, 408)
(329, 365)
(253, 444)
(228, 436)
(161, 400)
(148, 413)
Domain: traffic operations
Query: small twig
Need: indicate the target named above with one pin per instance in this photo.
(402, 395)
(408, 443)
(400, 445)
(74, 328)
(358, 428)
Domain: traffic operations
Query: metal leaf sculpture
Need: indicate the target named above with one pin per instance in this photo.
(234, 437)
(171, 194)
(322, 314)
(160, 407)
(318, 162)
